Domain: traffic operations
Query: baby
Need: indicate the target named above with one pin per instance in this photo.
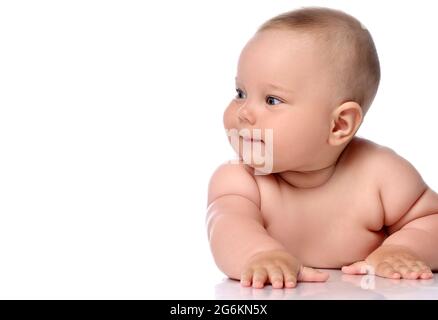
(321, 197)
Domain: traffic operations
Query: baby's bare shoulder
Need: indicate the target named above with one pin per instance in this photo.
(382, 160)
(383, 163)
(400, 184)
(370, 156)
(233, 178)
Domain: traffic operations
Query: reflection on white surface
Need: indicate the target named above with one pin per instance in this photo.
(339, 286)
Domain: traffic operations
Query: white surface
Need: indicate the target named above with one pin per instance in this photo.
(338, 286)
(111, 126)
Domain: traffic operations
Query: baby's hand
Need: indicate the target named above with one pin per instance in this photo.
(278, 267)
(393, 262)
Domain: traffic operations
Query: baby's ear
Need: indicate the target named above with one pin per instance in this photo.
(344, 123)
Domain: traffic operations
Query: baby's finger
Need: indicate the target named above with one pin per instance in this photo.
(290, 277)
(417, 270)
(312, 275)
(406, 272)
(259, 277)
(275, 275)
(359, 267)
(403, 267)
(386, 270)
(422, 273)
(245, 278)
(425, 271)
(426, 275)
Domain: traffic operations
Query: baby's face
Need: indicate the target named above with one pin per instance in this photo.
(283, 84)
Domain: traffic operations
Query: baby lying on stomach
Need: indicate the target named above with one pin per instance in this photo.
(305, 192)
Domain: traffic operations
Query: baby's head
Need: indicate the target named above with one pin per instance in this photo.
(309, 76)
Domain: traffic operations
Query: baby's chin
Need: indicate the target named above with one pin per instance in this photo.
(260, 168)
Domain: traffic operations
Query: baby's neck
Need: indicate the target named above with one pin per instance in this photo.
(320, 176)
(308, 179)
(316, 177)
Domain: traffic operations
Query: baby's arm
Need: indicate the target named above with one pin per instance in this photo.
(234, 222)
(241, 246)
(411, 217)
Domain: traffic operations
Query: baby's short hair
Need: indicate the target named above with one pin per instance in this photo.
(351, 49)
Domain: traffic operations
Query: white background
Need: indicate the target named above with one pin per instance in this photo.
(111, 126)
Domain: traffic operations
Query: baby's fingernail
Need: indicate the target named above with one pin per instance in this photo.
(415, 274)
(427, 275)
(244, 282)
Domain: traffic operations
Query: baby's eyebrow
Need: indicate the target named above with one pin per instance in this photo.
(279, 88)
(271, 85)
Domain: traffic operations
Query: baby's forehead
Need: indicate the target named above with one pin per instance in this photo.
(284, 46)
(283, 39)
(283, 51)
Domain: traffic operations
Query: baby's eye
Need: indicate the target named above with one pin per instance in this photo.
(240, 94)
(271, 100)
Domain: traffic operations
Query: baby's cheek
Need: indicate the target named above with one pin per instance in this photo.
(225, 121)
(279, 151)
(287, 150)
(227, 118)
(275, 148)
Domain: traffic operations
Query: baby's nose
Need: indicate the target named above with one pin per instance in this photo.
(246, 115)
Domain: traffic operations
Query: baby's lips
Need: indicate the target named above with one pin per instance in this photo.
(250, 139)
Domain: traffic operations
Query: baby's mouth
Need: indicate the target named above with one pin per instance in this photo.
(249, 139)
(252, 140)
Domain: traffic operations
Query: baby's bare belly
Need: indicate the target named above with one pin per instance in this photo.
(329, 245)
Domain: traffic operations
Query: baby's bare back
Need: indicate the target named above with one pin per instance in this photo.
(332, 225)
